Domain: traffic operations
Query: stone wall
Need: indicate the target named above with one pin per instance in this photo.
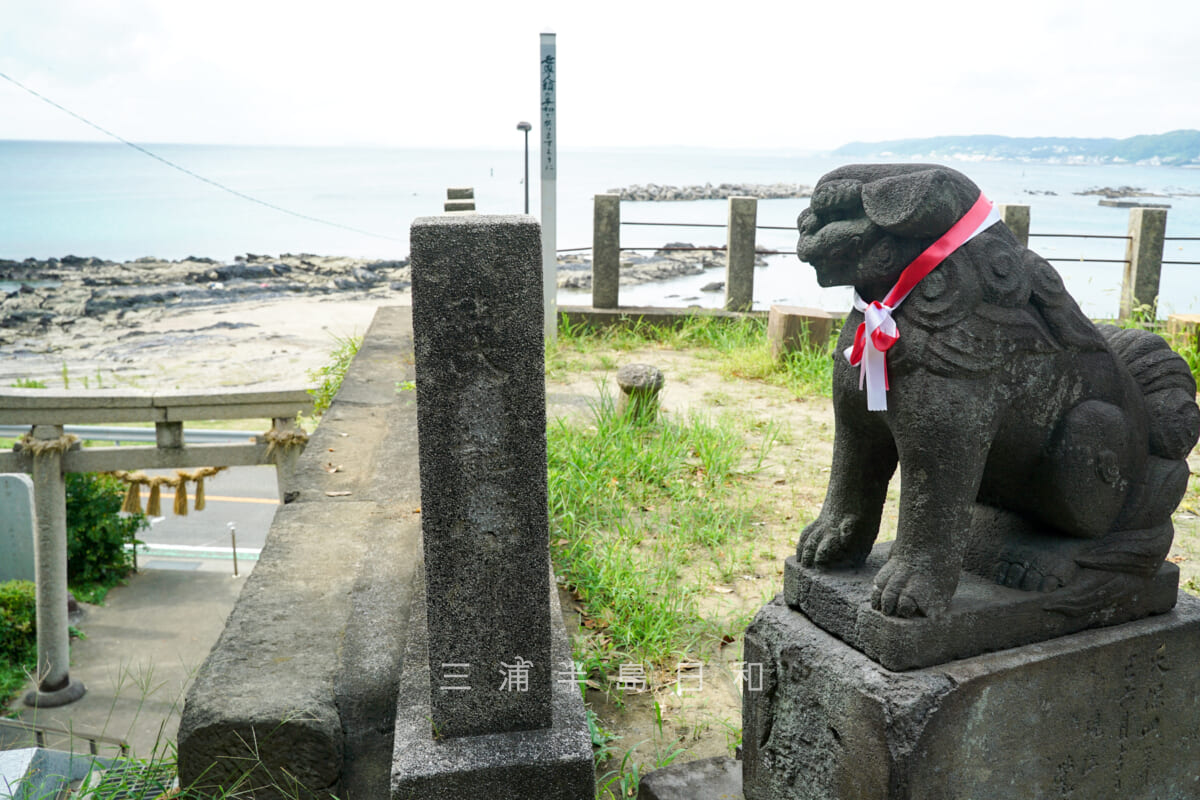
(297, 698)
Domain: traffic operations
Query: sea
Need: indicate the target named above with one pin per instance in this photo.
(116, 202)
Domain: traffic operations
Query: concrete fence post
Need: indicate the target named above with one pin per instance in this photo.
(54, 684)
(739, 263)
(1016, 217)
(1143, 256)
(460, 198)
(606, 251)
(286, 457)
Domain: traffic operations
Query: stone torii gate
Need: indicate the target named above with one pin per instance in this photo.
(47, 453)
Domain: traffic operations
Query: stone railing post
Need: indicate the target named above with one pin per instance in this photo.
(1143, 255)
(460, 198)
(606, 251)
(55, 687)
(739, 264)
(1016, 217)
(289, 444)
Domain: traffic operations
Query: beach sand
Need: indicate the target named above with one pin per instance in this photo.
(266, 343)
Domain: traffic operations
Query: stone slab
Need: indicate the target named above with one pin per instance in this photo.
(983, 616)
(481, 431)
(33, 773)
(1106, 713)
(17, 524)
(717, 778)
(297, 698)
(552, 763)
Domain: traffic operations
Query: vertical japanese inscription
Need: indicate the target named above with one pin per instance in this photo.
(549, 78)
(481, 417)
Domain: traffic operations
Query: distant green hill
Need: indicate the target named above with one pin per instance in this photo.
(1175, 148)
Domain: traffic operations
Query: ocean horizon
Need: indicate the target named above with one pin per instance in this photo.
(109, 201)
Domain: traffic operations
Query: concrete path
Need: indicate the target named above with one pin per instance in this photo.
(141, 651)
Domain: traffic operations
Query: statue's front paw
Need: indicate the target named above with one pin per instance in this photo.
(904, 590)
(826, 543)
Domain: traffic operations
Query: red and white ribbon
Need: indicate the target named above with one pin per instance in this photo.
(878, 332)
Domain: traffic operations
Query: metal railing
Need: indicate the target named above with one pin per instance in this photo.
(40, 732)
(118, 434)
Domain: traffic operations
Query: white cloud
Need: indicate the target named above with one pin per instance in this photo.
(757, 74)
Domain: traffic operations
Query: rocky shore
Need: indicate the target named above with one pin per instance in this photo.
(652, 192)
(57, 293)
(87, 296)
(1119, 192)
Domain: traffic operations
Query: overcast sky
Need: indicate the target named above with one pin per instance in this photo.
(795, 74)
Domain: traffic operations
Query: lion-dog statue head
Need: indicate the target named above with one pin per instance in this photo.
(1035, 448)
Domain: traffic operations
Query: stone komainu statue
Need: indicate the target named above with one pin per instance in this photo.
(1035, 447)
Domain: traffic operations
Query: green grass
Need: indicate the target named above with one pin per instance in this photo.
(738, 347)
(329, 377)
(635, 507)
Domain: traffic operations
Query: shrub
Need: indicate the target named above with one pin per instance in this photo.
(18, 621)
(96, 532)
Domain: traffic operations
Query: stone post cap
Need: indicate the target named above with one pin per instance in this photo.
(460, 193)
(639, 378)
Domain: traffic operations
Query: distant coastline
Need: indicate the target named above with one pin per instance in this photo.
(1177, 148)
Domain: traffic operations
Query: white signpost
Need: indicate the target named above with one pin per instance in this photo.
(549, 161)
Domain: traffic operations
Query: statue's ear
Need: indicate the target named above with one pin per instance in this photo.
(918, 205)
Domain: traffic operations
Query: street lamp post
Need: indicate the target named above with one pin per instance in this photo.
(525, 126)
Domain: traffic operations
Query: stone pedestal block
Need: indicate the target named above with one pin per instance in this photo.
(552, 763)
(1106, 713)
(983, 616)
(790, 328)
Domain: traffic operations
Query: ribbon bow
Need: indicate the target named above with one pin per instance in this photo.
(878, 332)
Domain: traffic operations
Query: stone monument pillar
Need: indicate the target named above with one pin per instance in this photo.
(488, 705)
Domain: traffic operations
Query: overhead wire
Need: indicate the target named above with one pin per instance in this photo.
(190, 173)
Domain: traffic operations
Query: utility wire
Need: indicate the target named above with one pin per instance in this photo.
(187, 171)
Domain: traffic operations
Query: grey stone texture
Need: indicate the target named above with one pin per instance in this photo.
(550, 763)
(1105, 713)
(718, 778)
(984, 616)
(297, 698)
(739, 264)
(606, 250)
(1143, 257)
(640, 385)
(17, 525)
(1038, 451)
(477, 322)
(460, 193)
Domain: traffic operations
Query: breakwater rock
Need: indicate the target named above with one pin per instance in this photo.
(58, 292)
(575, 271)
(653, 192)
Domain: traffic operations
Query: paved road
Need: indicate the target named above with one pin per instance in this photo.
(245, 496)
